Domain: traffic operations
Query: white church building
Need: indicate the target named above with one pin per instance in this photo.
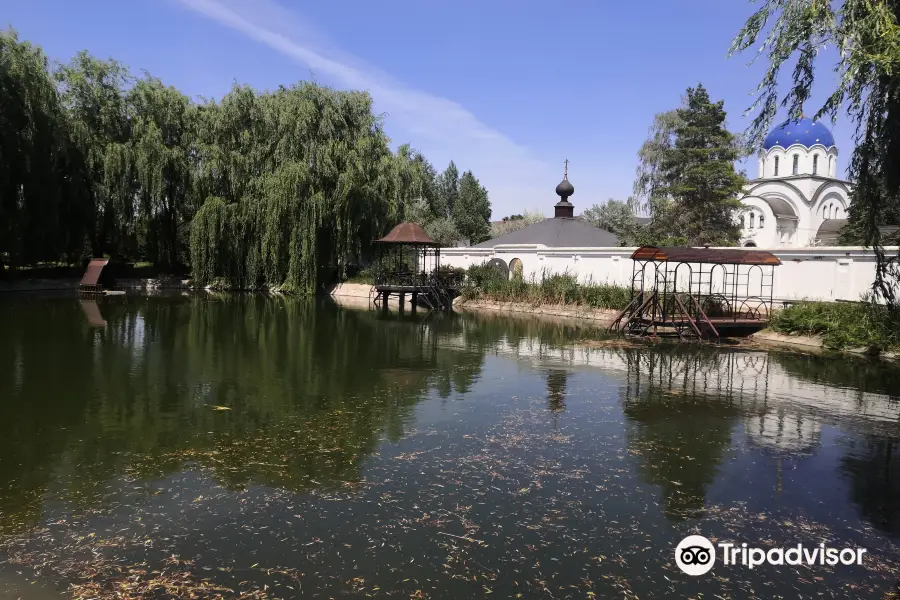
(797, 200)
(794, 208)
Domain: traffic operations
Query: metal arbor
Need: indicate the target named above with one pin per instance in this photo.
(408, 262)
(701, 293)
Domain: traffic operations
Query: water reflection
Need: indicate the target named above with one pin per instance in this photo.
(257, 390)
(677, 429)
(92, 312)
(684, 407)
(271, 404)
(556, 389)
(872, 466)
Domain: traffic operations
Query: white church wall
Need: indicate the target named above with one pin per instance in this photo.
(766, 236)
(820, 273)
(806, 162)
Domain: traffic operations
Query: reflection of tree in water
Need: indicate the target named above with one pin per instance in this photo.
(865, 376)
(310, 389)
(872, 467)
(556, 389)
(488, 330)
(677, 431)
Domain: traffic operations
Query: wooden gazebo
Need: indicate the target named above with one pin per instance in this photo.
(408, 262)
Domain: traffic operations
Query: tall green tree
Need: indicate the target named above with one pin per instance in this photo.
(163, 129)
(687, 174)
(301, 180)
(95, 98)
(447, 190)
(45, 207)
(416, 180)
(615, 216)
(472, 209)
(866, 34)
(650, 187)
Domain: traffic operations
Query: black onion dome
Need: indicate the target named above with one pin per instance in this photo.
(565, 189)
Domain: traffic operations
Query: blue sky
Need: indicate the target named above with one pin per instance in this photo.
(506, 89)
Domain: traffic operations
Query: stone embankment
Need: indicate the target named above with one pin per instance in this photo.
(599, 317)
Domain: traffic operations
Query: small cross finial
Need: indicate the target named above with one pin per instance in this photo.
(566, 173)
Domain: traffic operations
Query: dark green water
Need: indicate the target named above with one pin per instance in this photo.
(287, 448)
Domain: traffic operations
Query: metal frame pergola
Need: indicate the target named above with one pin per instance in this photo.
(698, 292)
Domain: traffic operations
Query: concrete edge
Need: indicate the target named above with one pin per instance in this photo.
(767, 337)
(600, 316)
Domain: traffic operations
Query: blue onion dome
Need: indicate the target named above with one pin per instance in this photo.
(805, 132)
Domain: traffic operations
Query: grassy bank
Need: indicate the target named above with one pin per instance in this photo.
(843, 325)
(488, 283)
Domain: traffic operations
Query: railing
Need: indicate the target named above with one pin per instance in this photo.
(419, 280)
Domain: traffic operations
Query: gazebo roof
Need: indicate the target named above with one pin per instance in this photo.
(725, 256)
(408, 233)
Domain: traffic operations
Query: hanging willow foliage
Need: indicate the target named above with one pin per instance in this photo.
(284, 188)
(300, 181)
(44, 204)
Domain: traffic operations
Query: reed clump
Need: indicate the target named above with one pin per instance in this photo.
(843, 325)
(486, 282)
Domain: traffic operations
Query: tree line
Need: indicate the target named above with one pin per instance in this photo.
(280, 188)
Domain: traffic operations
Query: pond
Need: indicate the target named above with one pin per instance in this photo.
(247, 446)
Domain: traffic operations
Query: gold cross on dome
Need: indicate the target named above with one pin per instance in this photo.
(566, 173)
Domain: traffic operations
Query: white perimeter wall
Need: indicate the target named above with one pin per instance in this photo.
(817, 273)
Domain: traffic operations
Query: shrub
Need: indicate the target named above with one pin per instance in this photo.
(843, 324)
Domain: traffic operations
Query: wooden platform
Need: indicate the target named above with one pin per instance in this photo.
(403, 289)
(725, 326)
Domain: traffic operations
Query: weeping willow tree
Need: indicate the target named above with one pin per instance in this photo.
(161, 147)
(45, 206)
(866, 35)
(94, 97)
(284, 188)
(298, 181)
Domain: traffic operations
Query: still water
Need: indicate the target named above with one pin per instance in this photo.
(242, 446)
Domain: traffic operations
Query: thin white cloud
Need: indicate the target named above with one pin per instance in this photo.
(440, 128)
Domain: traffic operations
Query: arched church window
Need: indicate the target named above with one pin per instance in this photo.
(742, 221)
(776, 166)
(762, 221)
(815, 164)
(831, 166)
(796, 163)
(751, 220)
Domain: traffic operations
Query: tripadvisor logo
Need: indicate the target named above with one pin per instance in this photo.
(696, 555)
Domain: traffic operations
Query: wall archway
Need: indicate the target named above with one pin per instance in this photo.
(515, 269)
